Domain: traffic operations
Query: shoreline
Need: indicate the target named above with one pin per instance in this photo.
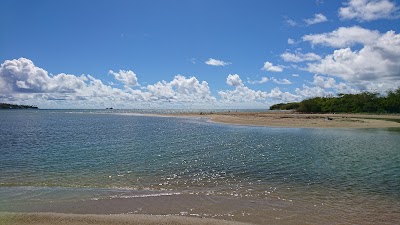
(200, 210)
(295, 120)
(114, 219)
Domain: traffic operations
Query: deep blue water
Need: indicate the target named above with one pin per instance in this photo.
(46, 152)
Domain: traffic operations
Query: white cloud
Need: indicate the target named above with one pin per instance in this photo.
(368, 10)
(242, 94)
(291, 22)
(193, 60)
(318, 18)
(300, 57)
(245, 95)
(270, 67)
(374, 67)
(344, 37)
(376, 61)
(278, 96)
(234, 80)
(21, 80)
(291, 41)
(311, 92)
(263, 80)
(281, 81)
(127, 77)
(295, 75)
(324, 86)
(181, 89)
(344, 88)
(324, 82)
(22, 76)
(273, 79)
(216, 62)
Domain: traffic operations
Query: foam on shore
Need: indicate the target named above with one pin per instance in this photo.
(88, 219)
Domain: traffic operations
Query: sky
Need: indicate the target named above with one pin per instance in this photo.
(194, 54)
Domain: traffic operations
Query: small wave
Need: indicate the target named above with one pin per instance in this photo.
(136, 196)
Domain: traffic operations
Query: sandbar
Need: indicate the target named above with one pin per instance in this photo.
(290, 119)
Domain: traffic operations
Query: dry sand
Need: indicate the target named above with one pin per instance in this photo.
(282, 119)
(76, 219)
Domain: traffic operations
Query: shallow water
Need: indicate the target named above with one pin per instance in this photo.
(340, 176)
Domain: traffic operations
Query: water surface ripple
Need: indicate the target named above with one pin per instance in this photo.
(48, 155)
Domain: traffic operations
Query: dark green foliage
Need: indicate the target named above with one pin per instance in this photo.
(392, 102)
(285, 106)
(12, 106)
(365, 102)
(311, 105)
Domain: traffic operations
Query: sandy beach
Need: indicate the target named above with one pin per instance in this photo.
(289, 119)
(76, 219)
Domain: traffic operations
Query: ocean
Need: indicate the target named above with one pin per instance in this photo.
(121, 162)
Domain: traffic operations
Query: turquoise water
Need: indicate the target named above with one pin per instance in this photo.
(48, 155)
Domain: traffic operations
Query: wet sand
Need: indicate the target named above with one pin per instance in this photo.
(76, 219)
(283, 119)
(205, 209)
(201, 209)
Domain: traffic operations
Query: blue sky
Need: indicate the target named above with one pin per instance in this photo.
(194, 54)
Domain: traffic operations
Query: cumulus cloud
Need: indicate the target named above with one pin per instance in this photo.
(273, 79)
(344, 88)
(234, 80)
(263, 80)
(281, 81)
(216, 62)
(344, 37)
(368, 10)
(21, 80)
(322, 86)
(127, 77)
(299, 57)
(373, 66)
(241, 94)
(324, 82)
(375, 61)
(291, 41)
(279, 96)
(22, 76)
(270, 67)
(245, 95)
(318, 18)
(181, 89)
(311, 92)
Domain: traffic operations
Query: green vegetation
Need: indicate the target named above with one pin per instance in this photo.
(285, 106)
(365, 102)
(12, 106)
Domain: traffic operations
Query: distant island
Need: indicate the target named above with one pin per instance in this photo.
(365, 102)
(13, 106)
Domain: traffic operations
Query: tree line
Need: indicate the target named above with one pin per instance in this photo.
(13, 106)
(364, 102)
